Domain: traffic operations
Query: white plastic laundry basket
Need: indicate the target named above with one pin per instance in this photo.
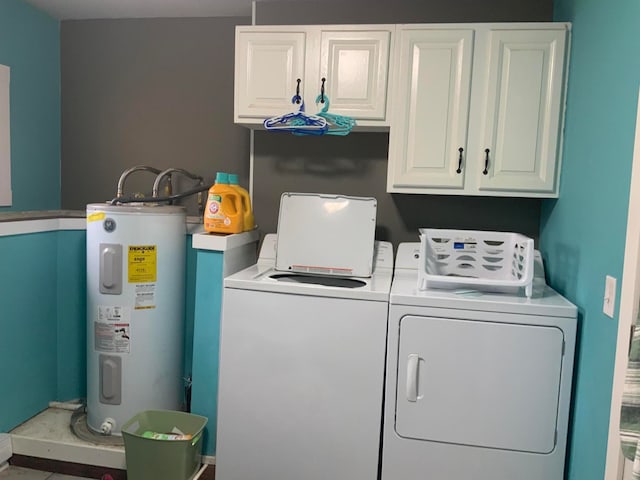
(486, 261)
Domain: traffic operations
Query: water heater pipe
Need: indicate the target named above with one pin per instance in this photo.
(170, 198)
(129, 171)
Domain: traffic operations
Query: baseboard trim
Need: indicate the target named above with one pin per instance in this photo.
(82, 470)
(208, 459)
(5, 447)
(66, 468)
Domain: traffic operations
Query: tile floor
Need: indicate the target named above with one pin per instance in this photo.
(19, 473)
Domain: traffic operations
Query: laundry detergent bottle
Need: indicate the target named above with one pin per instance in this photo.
(246, 202)
(224, 212)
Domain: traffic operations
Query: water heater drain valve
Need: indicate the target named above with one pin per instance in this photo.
(107, 426)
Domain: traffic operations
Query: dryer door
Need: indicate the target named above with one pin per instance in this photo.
(479, 383)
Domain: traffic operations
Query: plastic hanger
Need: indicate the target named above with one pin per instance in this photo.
(299, 122)
(337, 124)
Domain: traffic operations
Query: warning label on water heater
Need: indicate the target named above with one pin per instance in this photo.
(112, 337)
(112, 329)
(145, 296)
(114, 313)
(142, 264)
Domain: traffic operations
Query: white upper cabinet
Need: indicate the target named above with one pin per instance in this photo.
(477, 109)
(266, 69)
(355, 65)
(350, 64)
(520, 118)
(431, 103)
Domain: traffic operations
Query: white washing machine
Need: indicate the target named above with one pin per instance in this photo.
(478, 385)
(302, 372)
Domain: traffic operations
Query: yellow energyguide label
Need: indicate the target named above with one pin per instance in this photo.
(95, 216)
(142, 263)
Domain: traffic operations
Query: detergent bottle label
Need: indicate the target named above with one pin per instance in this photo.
(214, 209)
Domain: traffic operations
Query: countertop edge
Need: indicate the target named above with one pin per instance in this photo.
(221, 243)
(22, 223)
(24, 227)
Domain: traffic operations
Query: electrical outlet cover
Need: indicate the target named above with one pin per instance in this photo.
(609, 304)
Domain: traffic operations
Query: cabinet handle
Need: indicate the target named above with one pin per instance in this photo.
(322, 90)
(459, 170)
(486, 162)
(298, 98)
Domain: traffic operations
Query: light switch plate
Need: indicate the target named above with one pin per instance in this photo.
(609, 304)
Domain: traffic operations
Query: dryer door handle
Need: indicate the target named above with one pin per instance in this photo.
(412, 377)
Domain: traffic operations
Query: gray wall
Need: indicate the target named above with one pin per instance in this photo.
(402, 11)
(160, 92)
(157, 92)
(357, 164)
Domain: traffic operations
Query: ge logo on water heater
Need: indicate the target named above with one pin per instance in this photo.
(109, 224)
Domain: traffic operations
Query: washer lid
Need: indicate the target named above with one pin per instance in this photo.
(326, 234)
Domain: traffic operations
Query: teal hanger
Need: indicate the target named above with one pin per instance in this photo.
(338, 124)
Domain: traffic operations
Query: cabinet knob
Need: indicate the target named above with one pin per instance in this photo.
(459, 170)
(486, 162)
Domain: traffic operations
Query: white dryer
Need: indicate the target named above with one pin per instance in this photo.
(302, 363)
(478, 385)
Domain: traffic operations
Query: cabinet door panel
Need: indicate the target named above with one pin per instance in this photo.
(356, 65)
(521, 120)
(267, 67)
(431, 104)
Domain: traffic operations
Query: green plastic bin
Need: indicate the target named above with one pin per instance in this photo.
(153, 459)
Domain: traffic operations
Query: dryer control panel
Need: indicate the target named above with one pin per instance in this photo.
(408, 255)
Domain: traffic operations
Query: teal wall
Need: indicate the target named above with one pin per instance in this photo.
(206, 342)
(190, 300)
(28, 340)
(71, 311)
(582, 234)
(30, 45)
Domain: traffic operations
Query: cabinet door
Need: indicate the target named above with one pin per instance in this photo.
(355, 65)
(268, 64)
(521, 120)
(430, 106)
